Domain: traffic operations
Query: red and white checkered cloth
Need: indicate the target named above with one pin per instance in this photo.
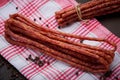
(42, 12)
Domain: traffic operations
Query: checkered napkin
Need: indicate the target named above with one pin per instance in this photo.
(43, 12)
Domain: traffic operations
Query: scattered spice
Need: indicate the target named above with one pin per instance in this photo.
(16, 8)
(34, 19)
(40, 18)
(59, 27)
(77, 73)
(81, 41)
(36, 60)
(40, 63)
(47, 25)
(29, 58)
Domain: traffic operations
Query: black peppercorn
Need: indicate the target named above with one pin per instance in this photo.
(77, 73)
(40, 18)
(81, 41)
(27, 59)
(40, 63)
(59, 27)
(47, 25)
(36, 58)
(34, 19)
(16, 8)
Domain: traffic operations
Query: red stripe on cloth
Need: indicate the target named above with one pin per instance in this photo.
(13, 52)
(108, 37)
(86, 31)
(118, 47)
(56, 70)
(32, 7)
(32, 53)
(5, 51)
(68, 74)
(18, 3)
(90, 27)
(91, 23)
(47, 59)
(29, 69)
(87, 28)
(28, 8)
(64, 3)
(52, 73)
(43, 19)
(51, 22)
(37, 16)
(23, 70)
(73, 2)
(105, 45)
(58, 73)
(62, 76)
(2, 23)
(24, 54)
(31, 73)
(100, 31)
(113, 38)
(71, 74)
(2, 29)
(115, 73)
(47, 22)
(77, 76)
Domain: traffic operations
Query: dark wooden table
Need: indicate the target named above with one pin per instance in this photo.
(111, 21)
(8, 72)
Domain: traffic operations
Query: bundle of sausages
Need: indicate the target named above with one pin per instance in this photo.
(87, 10)
(21, 31)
